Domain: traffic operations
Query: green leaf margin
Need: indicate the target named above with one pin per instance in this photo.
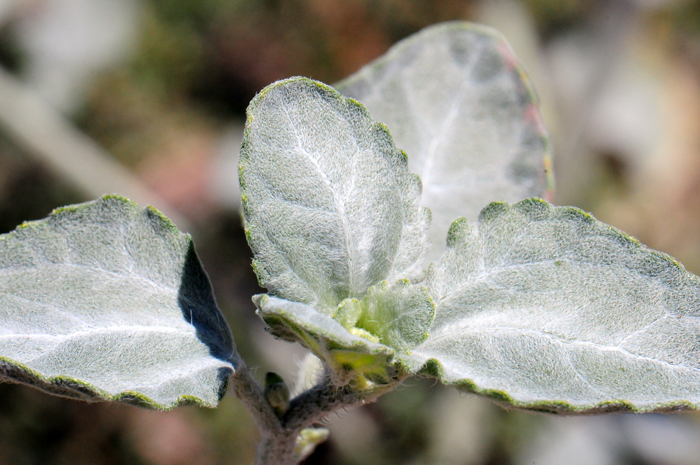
(432, 367)
(14, 372)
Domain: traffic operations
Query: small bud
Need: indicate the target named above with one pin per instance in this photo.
(276, 393)
(307, 441)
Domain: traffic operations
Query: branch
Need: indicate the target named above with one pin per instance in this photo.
(45, 134)
(251, 394)
(324, 398)
(278, 436)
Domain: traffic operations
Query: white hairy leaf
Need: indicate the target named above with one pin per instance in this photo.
(346, 354)
(457, 100)
(330, 206)
(108, 301)
(398, 315)
(546, 308)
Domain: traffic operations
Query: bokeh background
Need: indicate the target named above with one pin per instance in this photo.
(146, 98)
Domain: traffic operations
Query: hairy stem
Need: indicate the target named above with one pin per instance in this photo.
(251, 394)
(277, 449)
(276, 446)
(278, 435)
(324, 398)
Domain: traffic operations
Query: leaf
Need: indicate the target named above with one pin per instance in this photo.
(307, 441)
(330, 206)
(347, 355)
(456, 99)
(108, 301)
(363, 336)
(398, 315)
(546, 308)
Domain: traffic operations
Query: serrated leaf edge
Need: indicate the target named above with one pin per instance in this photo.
(531, 206)
(433, 368)
(416, 273)
(66, 386)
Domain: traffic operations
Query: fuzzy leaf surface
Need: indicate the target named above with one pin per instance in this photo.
(346, 354)
(456, 99)
(546, 308)
(398, 315)
(108, 301)
(330, 206)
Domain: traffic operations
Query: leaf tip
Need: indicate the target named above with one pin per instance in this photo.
(534, 208)
(459, 229)
(260, 299)
(162, 222)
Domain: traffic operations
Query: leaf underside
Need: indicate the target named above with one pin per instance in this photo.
(330, 206)
(108, 301)
(347, 355)
(546, 308)
(456, 99)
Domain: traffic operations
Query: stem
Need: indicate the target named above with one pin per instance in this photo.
(277, 449)
(324, 398)
(251, 394)
(278, 435)
(276, 446)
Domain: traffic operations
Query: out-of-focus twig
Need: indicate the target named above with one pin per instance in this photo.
(612, 25)
(44, 133)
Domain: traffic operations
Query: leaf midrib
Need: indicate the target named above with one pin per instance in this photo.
(482, 277)
(137, 329)
(125, 274)
(561, 341)
(340, 207)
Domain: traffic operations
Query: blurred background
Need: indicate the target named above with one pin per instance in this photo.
(146, 98)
